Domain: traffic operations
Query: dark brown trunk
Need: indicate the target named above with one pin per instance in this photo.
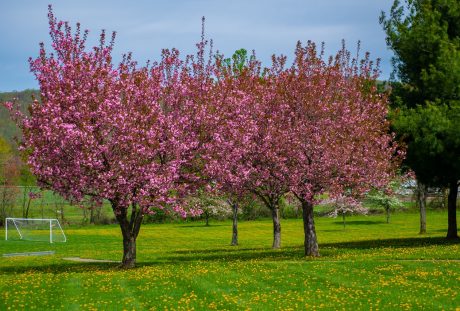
(24, 196)
(129, 230)
(26, 215)
(235, 224)
(276, 227)
(3, 208)
(421, 202)
(310, 242)
(452, 211)
(129, 251)
(62, 213)
(272, 203)
(206, 217)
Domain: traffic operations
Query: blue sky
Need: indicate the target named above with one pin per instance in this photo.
(145, 27)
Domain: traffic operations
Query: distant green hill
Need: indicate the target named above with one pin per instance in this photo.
(8, 128)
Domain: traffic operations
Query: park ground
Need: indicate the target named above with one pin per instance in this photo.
(369, 265)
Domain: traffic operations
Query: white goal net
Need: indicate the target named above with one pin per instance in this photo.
(34, 229)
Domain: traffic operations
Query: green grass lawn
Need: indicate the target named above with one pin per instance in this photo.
(369, 265)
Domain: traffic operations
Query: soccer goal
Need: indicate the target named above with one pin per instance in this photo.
(34, 229)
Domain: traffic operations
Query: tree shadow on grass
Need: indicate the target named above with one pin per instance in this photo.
(359, 222)
(332, 230)
(64, 267)
(247, 254)
(395, 243)
(297, 252)
(201, 226)
(237, 254)
(439, 230)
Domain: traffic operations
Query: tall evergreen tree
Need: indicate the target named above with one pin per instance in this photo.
(425, 38)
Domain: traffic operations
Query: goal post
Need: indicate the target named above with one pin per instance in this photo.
(34, 229)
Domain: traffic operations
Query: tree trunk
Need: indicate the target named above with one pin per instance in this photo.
(272, 202)
(276, 227)
(129, 230)
(445, 197)
(85, 215)
(387, 210)
(235, 224)
(24, 196)
(310, 241)
(62, 212)
(3, 207)
(421, 202)
(26, 215)
(42, 198)
(129, 251)
(206, 215)
(91, 215)
(452, 211)
(343, 219)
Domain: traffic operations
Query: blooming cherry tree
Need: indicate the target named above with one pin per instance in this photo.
(143, 137)
(242, 156)
(109, 132)
(344, 205)
(338, 132)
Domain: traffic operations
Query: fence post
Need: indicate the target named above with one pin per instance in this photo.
(51, 232)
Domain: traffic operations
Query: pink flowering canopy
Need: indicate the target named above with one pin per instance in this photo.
(316, 127)
(143, 137)
(339, 136)
(121, 133)
(107, 132)
(241, 154)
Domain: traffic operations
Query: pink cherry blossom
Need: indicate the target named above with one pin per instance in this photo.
(112, 132)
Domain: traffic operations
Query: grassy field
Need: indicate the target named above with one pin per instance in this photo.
(369, 265)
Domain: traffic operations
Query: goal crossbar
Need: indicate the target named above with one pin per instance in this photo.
(18, 221)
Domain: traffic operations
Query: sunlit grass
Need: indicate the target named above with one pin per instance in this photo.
(368, 265)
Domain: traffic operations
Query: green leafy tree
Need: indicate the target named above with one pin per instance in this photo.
(425, 38)
(238, 61)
